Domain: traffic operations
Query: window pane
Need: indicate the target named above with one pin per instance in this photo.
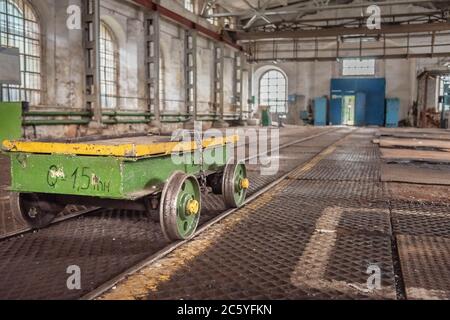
(357, 67)
(108, 67)
(19, 28)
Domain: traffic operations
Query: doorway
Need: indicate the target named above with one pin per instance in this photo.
(368, 107)
(348, 110)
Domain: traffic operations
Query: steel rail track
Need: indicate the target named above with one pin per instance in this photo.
(171, 247)
(26, 230)
(67, 217)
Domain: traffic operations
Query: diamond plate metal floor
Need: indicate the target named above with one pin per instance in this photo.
(313, 236)
(307, 238)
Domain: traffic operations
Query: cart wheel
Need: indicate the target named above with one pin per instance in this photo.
(235, 185)
(180, 207)
(36, 212)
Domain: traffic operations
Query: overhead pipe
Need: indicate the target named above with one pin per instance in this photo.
(55, 122)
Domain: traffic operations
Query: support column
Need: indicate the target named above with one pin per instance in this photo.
(251, 101)
(91, 38)
(238, 85)
(218, 79)
(191, 73)
(153, 65)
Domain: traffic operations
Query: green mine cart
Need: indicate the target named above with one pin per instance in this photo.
(145, 173)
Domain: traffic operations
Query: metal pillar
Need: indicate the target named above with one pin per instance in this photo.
(218, 79)
(91, 20)
(153, 63)
(238, 85)
(250, 90)
(191, 72)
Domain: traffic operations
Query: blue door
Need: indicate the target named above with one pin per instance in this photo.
(360, 109)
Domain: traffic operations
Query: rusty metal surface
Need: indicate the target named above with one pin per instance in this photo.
(419, 173)
(307, 239)
(355, 154)
(342, 171)
(422, 230)
(34, 266)
(425, 262)
(421, 219)
(323, 189)
(304, 239)
(280, 250)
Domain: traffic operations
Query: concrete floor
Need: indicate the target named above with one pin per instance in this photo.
(317, 235)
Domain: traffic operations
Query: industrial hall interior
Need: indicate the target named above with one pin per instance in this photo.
(225, 150)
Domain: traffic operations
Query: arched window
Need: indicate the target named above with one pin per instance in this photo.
(273, 91)
(108, 67)
(19, 28)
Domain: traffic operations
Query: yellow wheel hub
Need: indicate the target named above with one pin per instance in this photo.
(193, 207)
(245, 184)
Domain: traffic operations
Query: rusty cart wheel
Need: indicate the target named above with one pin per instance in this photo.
(33, 210)
(180, 207)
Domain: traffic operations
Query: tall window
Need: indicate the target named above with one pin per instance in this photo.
(358, 67)
(273, 91)
(108, 67)
(19, 28)
(189, 5)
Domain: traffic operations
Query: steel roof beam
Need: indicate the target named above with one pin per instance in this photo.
(185, 22)
(341, 31)
(309, 8)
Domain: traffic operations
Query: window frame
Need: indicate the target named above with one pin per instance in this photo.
(29, 41)
(260, 91)
(105, 97)
(359, 74)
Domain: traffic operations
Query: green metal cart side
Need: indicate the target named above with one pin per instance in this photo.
(162, 177)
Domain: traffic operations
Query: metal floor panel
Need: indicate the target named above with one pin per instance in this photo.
(322, 189)
(101, 244)
(302, 213)
(421, 219)
(342, 171)
(278, 252)
(425, 263)
(354, 155)
(258, 181)
(299, 149)
(303, 239)
(312, 236)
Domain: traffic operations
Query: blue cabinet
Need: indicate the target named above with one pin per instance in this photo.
(320, 111)
(392, 112)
